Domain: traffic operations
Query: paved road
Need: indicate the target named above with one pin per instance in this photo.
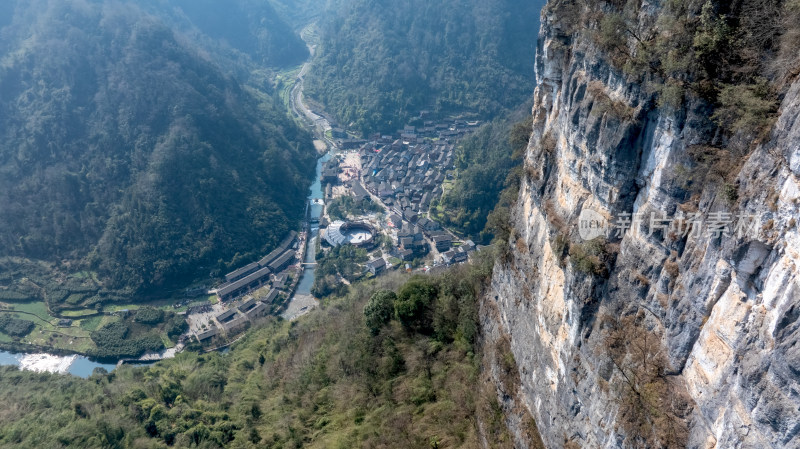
(320, 123)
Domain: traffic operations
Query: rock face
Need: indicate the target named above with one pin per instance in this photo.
(651, 339)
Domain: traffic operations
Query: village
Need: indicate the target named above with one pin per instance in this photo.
(388, 183)
(373, 194)
(401, 174)
(253, 291)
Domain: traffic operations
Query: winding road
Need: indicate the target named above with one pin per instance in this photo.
(320, 123)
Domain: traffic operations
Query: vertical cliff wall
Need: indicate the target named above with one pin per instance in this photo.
(665, 337)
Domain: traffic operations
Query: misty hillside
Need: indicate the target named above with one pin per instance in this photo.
(381, 63)
(247, 27)
(299, 13)
(122, 146)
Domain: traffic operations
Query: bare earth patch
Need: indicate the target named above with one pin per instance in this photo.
(300, 305)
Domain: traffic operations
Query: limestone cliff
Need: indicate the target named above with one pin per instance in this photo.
(660, 337)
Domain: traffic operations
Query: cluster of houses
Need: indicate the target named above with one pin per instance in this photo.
(410, 235)
(237, 318)
(406, 176)
(408, 172)
(411, 241)
(411, 238)
(446, 131)
(460, 254)
(443, 130)
(270, 270)
(257, 274)
(405, 170)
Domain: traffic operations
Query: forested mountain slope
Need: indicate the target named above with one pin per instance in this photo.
(488, 163)
(300, 13)
(121, 145)
(396, 363)
(382, 62)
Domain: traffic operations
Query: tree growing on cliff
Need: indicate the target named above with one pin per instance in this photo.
(652, 404)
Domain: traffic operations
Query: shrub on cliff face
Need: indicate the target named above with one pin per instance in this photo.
(603, 103)
(590, 257)
(747, 109)
(712, 36)
(712, 166)
(507, 364)
(559, 246)
(612, 36)
(787, 63)
(711, 50)
(652, 407)
(670, 95)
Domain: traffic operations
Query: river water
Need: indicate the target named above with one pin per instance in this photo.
(302, 300)
(73, 364)
(315, 203)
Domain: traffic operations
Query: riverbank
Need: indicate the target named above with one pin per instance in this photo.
(24, 348)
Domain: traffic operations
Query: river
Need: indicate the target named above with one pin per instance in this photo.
(302, 300)
(315, 198)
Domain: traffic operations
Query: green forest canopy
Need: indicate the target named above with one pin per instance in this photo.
(382, 62)
(488, 162)
(394, 364)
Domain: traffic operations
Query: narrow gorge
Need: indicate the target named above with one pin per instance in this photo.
(617, 269)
